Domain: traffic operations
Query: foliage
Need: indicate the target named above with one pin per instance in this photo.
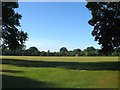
(63, 51)
(90, 51)
(33, 51)
(106, 20)
(11, 36)
(43, 53)
(77, 52)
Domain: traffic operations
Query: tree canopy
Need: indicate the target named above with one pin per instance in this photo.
(106, 22)
(33, 51)
(11, 36)
(63, 51)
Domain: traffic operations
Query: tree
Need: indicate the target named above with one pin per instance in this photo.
(33, 51)
(70, 53)
(43, 53)
(77, 52)
(97, 53)
(63, 51)
(20, 51)
(116, 52)
(90, 51)
(55, 53)
(11, 36)
(48, 53)
(106, 22)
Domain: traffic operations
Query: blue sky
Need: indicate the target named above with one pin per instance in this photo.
(53, 25)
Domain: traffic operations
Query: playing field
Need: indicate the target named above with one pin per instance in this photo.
(59, 72)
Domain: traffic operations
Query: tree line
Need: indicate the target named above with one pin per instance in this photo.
(33, 51)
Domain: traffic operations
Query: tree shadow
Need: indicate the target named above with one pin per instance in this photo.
(22, 82)
(11, 71)
(67, 65)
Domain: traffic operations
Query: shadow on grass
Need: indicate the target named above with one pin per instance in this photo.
(22, 82)
(11, 71)
(19, 83)
(68, 65)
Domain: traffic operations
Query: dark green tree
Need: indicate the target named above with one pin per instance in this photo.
(33, 51)
(90, 51)
(77, 52)
(116, 52)
(11, 36)
(55, 53)
(43, 53)
(71, 53)
(48, 53)
(97, 53)
(63, 51)
(106, 22)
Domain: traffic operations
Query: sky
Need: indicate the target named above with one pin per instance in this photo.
(52, 25)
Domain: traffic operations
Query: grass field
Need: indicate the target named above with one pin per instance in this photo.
(59, 72)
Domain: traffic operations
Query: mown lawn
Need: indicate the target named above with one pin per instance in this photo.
(59, 72)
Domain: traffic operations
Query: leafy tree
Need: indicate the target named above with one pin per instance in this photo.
(11, 36)
(90, 51)
(106, 22)
(7, 51)
(70, 53)
(63, 51)
(116, 52)
(82, 53)
(77, 52)
(48, 53)
(20, 51)
(55, 53)
(33, 51)
(43, 53)
(97, 53)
